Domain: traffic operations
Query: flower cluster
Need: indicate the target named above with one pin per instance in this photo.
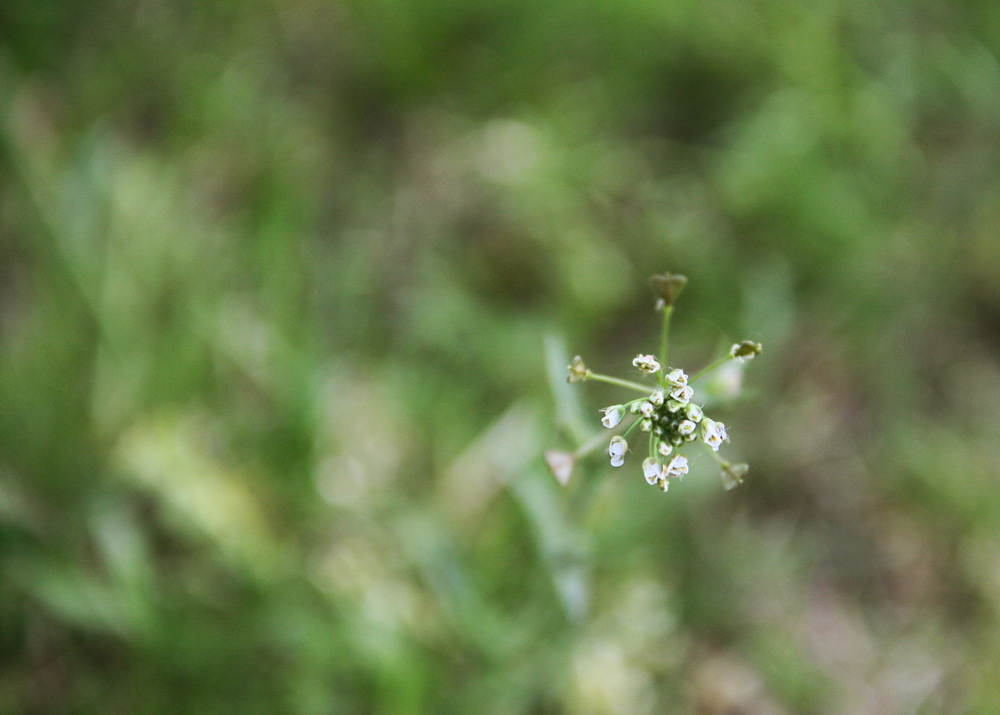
(667, 411)
(670, 418)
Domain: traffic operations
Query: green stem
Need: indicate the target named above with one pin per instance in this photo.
(715, 455)
(710, 368)
(631, 427)
(619, 383)
(665, 343)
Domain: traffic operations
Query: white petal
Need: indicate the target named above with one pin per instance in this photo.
(677, 378)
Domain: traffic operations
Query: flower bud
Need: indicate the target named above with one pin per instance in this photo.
(693, 412)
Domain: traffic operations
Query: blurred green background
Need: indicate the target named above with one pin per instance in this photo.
(276, 285)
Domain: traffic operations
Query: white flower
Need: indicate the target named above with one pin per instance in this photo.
(617, 451)
(657, 397)
(693, 412)
(646, 409)
(665, 448)
(647, 364)
(686, 427)
(677, 378)
(674, 405)
(682, 394)
(646, 425)
(676, 467)
(651, 469)
(713, 433)
(612, 415)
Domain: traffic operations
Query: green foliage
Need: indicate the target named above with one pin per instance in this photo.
(278, 286)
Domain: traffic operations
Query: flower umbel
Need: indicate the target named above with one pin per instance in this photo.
(667, 410)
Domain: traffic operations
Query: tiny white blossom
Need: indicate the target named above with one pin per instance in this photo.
(674, 405)
(677, 378)
(646, 425)
(713, 433)
(686, 427)
(676, 467)
(693, 412)
(657, 397)
(634, 408)
(617, 451)
(612, 415)
(665, 448)
(647, 364)
(651, 469)
(682, 394)
(646, 409)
